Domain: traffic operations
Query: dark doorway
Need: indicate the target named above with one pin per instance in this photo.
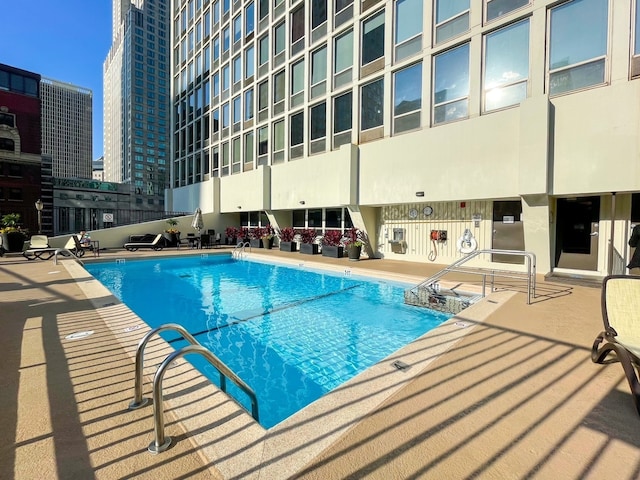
(577, 233)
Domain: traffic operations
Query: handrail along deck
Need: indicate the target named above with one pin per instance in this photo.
(161, 444)
(530, 260)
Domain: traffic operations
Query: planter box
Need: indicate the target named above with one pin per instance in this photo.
(288, 246)
(267, 242)
(334, 251)
(13, 241)
(230, 240)
(354, 252)
(255, 243)
(309, 248)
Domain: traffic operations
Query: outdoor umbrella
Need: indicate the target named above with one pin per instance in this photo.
(197, 220)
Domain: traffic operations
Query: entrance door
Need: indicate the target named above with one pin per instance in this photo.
(508, 231)
(577, 233)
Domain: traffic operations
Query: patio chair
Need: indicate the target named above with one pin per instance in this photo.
(217, 240)
(38, 241)
(621, 335)
(39, 248)
(77, 248)
(157, 244)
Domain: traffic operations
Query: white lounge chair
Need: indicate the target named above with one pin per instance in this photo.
(157, 244)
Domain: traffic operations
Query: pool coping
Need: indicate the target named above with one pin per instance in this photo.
(226, 437)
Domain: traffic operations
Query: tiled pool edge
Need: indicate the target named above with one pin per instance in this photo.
(239, 448)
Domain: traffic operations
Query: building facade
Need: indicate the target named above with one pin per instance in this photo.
(422, 122)
(67, 128)
(136, 100)
(20, 149)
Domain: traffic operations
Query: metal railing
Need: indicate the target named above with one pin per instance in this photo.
(457, 266)
(66, 253)
(240, 250)
(161, 443)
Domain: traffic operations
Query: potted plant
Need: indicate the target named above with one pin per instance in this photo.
(242, 234)
(230, 235)
(13, 237)
(172, 234)
(331, 244)
(267, 237)
(287, 243)
(255, 237)
(353, 241)
(307, 238)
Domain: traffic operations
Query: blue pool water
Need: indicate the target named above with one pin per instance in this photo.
(291, 334)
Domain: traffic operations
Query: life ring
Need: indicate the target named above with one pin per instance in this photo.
(467, 242)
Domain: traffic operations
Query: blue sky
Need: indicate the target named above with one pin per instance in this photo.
(65, 40)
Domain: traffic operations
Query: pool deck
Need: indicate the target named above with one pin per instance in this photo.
(504, 391)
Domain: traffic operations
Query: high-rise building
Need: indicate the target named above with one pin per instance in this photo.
(136, 99)
(437, 127)
(67, 128)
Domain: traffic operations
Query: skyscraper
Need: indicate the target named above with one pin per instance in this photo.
(67, 128)
(136, 99)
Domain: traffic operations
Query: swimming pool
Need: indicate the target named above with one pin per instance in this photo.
(290, 333)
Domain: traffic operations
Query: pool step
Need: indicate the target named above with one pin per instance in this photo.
(442, 300)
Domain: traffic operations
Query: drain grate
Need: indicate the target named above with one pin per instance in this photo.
(398, 365)
(79, 335)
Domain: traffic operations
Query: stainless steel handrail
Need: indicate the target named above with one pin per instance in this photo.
(240, 249)
(162, 442)
(530, 260)
(66, 251)
(138, 401)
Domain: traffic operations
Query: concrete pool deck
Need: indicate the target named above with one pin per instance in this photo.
(516, 396)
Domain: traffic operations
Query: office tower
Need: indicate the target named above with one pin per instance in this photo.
(67, 128)
(136, 99)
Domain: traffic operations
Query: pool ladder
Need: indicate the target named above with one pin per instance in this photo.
(240, 250)
(162, 442)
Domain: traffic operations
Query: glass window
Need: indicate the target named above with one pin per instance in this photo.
(297, 25)
(216, 48)
(373, 38)
(236, 155)
(506, 66)
(237, 69)
(216, 84)
(207, 58)
(318, 12)
(497, 8)
(216, 12)
(372, 105)
(344, 52)
(237, 110)
(249, 19)
(319, 65)
(237, 29)
(225, 115)
(297, 129)
(248, 148)
(278, 87)
(249, 62)
(407, 98)
(263, 96)
(297, 77)
(452, 18)
(263, 51)
(451, 85)
(216, 120)
(342, 4)
(207, 24)
(578, 45)
(278, 136)
(226, 39)
(342, 114)
(263, 8)
(318, 114)
(278, 33)
(248, 104)
(263, 141)
(225, 78)
(225, 5)
(408, 28)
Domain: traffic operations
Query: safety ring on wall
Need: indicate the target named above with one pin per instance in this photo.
(467, 242)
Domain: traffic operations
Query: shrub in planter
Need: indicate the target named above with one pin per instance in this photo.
(308, 236)
(172, 234)
(267, 237)
(353, 241)
(255, 235)
(13, 236)
(331, 244)
(230, 235)
(287, 244)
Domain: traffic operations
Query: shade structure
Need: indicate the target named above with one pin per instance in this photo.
(197, 220)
